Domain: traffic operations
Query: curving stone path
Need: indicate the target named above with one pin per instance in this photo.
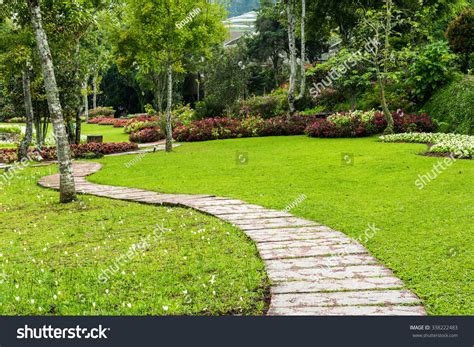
(314, 270)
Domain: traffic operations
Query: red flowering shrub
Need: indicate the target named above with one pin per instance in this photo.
(120, 123)
(225, 128)
(359, 124)
(102, 121)
(147, 135)
(412, 123)
(8, 155)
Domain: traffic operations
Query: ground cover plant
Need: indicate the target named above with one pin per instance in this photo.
(51, 257)
(424, 236)
(460, 146)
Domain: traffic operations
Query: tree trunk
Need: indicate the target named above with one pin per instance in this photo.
(383, 79)
(292, 48)
(303, 50)
(94, 96)
(39, 133)
(25, 143)
(386, 111)
(67, 186)
(85, 99)
(169, 130)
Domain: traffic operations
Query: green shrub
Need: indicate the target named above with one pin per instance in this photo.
(431, 68)
(460, 34)
(102, 112)
(10, 129)
(268, 106)
(452, 108)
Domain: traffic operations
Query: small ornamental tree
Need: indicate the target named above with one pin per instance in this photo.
(460, 35)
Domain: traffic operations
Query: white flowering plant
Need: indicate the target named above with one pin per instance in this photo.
(461, 146)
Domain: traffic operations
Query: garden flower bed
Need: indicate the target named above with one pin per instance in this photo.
(86, 150)
(347, 124)
(460, 146)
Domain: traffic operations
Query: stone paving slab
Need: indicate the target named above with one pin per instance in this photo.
(320, 262)
(255, 215)
(261, 237)
(356, 271)
(381, 310)
(345, 284)
(298, 252)
(304, 243)
(358, 298)
(315, 270)
(271, 223)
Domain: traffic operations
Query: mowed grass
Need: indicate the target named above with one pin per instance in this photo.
(184, 262)
(426, 236)
(110, 133)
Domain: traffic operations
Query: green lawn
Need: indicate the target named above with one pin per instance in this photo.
(51, 257)
(426, 236)
(110, 133)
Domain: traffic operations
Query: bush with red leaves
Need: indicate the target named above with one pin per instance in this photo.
(146, 135)
(356, 126)
(226, 128)
(120, 123)
(8, 155)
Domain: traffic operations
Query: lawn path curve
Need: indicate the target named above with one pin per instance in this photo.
(313, 269)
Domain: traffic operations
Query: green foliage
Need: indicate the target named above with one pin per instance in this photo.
(225, 83)
(432, 66)
(460, 34)
(268, 106)
(452, 106)
(10, 129)
(183, 114)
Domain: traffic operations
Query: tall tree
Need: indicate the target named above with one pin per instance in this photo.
(291, 17)
(67, 185)
(303, 50)
(161, 35)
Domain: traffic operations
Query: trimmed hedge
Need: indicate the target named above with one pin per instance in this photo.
(451, 106)
(147, 135)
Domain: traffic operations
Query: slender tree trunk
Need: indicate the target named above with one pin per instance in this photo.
(67, 186)
(383, 79)
(78, 128)
(169, 130)
(25, 143)
(39, 133)
(85, 98)
(94, 95)
(386, 112)
(303, 50)
(292, 48)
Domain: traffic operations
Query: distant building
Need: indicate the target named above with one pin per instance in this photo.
(239, 26)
